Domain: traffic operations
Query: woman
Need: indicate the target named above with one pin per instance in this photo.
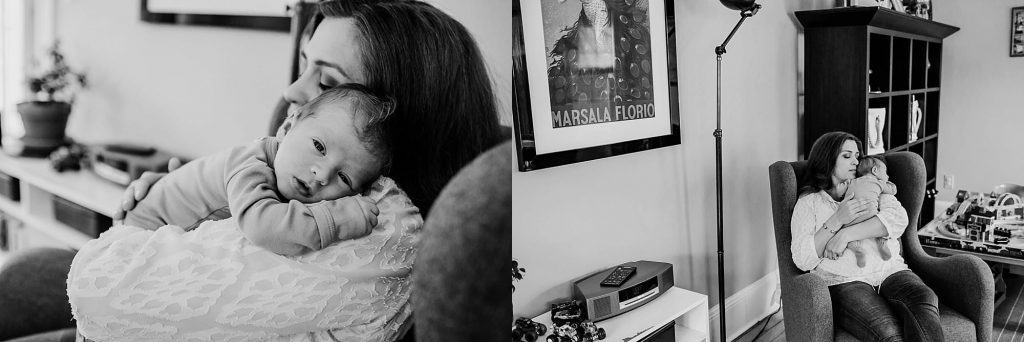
(447, 115)
(885, 300)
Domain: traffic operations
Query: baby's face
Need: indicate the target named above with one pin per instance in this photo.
(322, 157)
(880, 171)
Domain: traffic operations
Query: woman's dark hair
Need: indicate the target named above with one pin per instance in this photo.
(822, 160)
(446, 112)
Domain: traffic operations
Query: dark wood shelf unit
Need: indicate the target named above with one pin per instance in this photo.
(858, 58)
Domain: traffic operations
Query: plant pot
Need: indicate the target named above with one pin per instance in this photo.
(44, 121)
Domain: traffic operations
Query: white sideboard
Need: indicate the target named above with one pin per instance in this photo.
(688, 309)
(31, 221)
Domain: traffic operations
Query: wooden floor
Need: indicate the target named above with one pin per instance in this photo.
(774, 330)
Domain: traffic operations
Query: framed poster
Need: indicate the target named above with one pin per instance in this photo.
(254, 14)
(592, 79)
(1017, 32)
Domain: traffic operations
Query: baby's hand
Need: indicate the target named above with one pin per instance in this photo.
(358, 216)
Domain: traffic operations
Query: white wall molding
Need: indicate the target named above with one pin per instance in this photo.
(747, 307)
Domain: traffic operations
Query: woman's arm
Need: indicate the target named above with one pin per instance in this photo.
(806, 232)
(890, 222)
(847, 211)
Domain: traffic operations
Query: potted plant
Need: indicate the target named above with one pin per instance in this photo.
(517, 273)
(46, 116)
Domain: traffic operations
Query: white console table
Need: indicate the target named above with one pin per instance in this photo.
(31, 221)
(688, 309)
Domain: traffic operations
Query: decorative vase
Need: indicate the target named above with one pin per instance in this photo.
(44, 124)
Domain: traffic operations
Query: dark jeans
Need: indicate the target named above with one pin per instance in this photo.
(902, 300)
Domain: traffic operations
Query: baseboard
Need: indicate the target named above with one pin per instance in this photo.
(746, 307)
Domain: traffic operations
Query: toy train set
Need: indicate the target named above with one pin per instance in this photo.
(991, 223)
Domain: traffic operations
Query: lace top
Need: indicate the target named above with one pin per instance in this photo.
(211, 284)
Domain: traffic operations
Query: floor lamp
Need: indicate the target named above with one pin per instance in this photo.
(747, 9)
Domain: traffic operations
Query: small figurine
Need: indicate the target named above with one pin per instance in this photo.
(564, 333)
(569, 324)
(68, 158)
(916, 116)
(527, 330)
(566, 312)
(592, 331)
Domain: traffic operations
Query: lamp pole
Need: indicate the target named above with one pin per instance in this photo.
(748, 10)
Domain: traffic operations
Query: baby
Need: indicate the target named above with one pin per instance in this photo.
(872, 181)
(293, 194)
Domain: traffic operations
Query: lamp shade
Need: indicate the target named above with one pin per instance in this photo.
(739, 5)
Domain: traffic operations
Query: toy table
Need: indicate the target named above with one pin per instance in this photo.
(937, 238)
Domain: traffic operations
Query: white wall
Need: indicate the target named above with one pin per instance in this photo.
(982, 115)
(189, 90)
(192, 90)
(573, 220)
(491, 26)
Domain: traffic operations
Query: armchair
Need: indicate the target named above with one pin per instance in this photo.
(963, 283)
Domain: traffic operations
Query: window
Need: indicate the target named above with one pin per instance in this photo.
(12, 51)
(24, 26)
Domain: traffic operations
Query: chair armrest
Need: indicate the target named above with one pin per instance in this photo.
(964, 283)
(808, 308)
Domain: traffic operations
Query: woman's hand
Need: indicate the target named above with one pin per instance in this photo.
(852, 208)
(835, 246)
(139, 188)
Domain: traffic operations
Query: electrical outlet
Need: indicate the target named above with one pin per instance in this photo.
(948, 182)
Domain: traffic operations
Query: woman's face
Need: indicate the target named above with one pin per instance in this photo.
(331, 57)
(846, 163)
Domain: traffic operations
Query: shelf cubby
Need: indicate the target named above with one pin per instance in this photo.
(879, 62)
(917, 148)
(915, 117)
(934, 64)
(881, 103)
(900, 63)
(899, 120)
(931, 113)
(918, 64)
(930, 157)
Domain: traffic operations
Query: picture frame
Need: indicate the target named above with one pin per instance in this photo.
(876, 138)
(918, 8)
(1017, 32)
(591, 83)
(270, 15)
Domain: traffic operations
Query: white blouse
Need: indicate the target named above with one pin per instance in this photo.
(213, 284)
(809, 216)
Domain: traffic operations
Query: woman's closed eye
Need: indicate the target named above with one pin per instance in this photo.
(327, 82)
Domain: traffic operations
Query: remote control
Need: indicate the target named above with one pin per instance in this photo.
(619, 276)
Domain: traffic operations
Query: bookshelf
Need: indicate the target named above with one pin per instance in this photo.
(863, 61)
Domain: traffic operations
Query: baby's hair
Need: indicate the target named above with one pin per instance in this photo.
(374, 105)
(867, 163)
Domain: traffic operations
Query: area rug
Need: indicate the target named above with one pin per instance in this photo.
(1008, 322)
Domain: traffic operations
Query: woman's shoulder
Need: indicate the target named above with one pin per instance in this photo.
(808, 198)
(810, 195)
